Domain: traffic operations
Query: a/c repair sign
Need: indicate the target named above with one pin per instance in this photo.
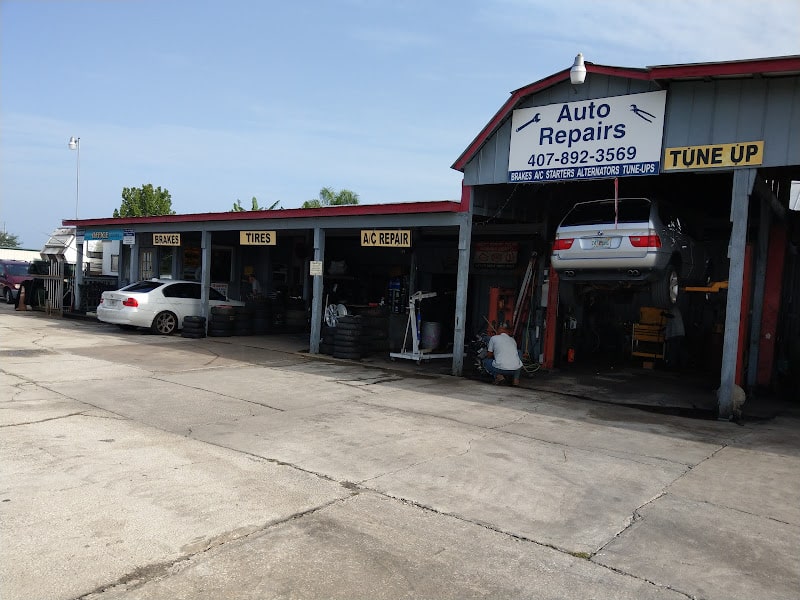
(619, 136)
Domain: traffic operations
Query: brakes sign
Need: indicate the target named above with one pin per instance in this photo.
(392, 238)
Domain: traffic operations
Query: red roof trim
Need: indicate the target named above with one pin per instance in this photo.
(747, 67)
(785, 64)
(444, 206)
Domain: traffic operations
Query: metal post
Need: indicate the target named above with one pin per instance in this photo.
(462, 278)
(205, 271)
(743, 181)
(75, 144)
(317, 290)
(76, 291)
(764, 226)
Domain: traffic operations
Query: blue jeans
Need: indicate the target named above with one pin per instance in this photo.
(492, 370)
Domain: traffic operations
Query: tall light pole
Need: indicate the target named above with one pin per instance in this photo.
(75, 144)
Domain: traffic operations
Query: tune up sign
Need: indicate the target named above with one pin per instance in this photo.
(619, 136)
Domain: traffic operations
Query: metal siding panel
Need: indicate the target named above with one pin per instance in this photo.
(793, 129)
(752, 104)
(678, 117)
(728, 96)
(782, 122)
(502, 145)
(701, 115)
(488, 155)
(471, 172)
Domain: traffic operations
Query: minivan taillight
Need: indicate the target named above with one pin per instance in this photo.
(563, 244)
(130, 302)
(646, 241)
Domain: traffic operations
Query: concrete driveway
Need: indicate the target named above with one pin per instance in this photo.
(139, 466)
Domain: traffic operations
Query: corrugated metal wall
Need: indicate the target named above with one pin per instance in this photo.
(740, 110)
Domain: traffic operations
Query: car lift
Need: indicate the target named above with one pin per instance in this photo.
(414, 318)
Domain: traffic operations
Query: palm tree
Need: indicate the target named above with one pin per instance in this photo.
(330, 197)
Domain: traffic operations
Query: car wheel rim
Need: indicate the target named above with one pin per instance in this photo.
(166, 324)
(673, 287)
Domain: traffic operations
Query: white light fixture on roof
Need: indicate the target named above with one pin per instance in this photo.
(577, 74)
(75, 144)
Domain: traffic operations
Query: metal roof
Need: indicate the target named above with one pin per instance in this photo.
(445, 206)
(763, 67)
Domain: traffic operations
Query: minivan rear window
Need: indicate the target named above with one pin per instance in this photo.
(18, 269)
(631, 210)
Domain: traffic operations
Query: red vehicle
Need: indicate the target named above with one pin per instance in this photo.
(12, 274)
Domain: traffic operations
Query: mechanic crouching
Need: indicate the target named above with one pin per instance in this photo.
(502, 358)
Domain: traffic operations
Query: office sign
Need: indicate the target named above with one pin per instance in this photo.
(601, 138)
(740, 154)
(103, 235)
(166, 239)
(386, 238)
(257, 238)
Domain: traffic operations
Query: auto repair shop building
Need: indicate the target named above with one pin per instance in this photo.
(719, 140)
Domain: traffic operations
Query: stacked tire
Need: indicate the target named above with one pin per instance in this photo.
(194, 326)
(296, 319)
(262, 316)
(376, 331)
(222, 321)
(327, 339)
(347, 340)
(243, 325)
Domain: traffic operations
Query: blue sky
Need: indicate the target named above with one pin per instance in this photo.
(224, 100)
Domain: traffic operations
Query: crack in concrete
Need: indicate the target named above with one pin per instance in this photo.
(157, 571)
(221, 394)
(67, 416)
(529, 540)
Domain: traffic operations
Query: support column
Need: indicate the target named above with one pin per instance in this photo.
(765, 219)
(462, 279)
(317, 307)
(743, 180)
(205, 271)
(78, 272)
(551, 321)
(773, 286)
(133, 267)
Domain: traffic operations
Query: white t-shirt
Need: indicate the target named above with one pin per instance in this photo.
(506, 356)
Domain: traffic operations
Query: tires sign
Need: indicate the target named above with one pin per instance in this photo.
(590, 139)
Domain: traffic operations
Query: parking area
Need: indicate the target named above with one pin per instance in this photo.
(145, 466)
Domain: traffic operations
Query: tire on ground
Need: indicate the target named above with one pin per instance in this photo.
(165, 323)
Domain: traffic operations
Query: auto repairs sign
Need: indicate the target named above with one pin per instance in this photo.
(590, 139)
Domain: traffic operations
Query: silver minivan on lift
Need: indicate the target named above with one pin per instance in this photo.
(633, 243)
